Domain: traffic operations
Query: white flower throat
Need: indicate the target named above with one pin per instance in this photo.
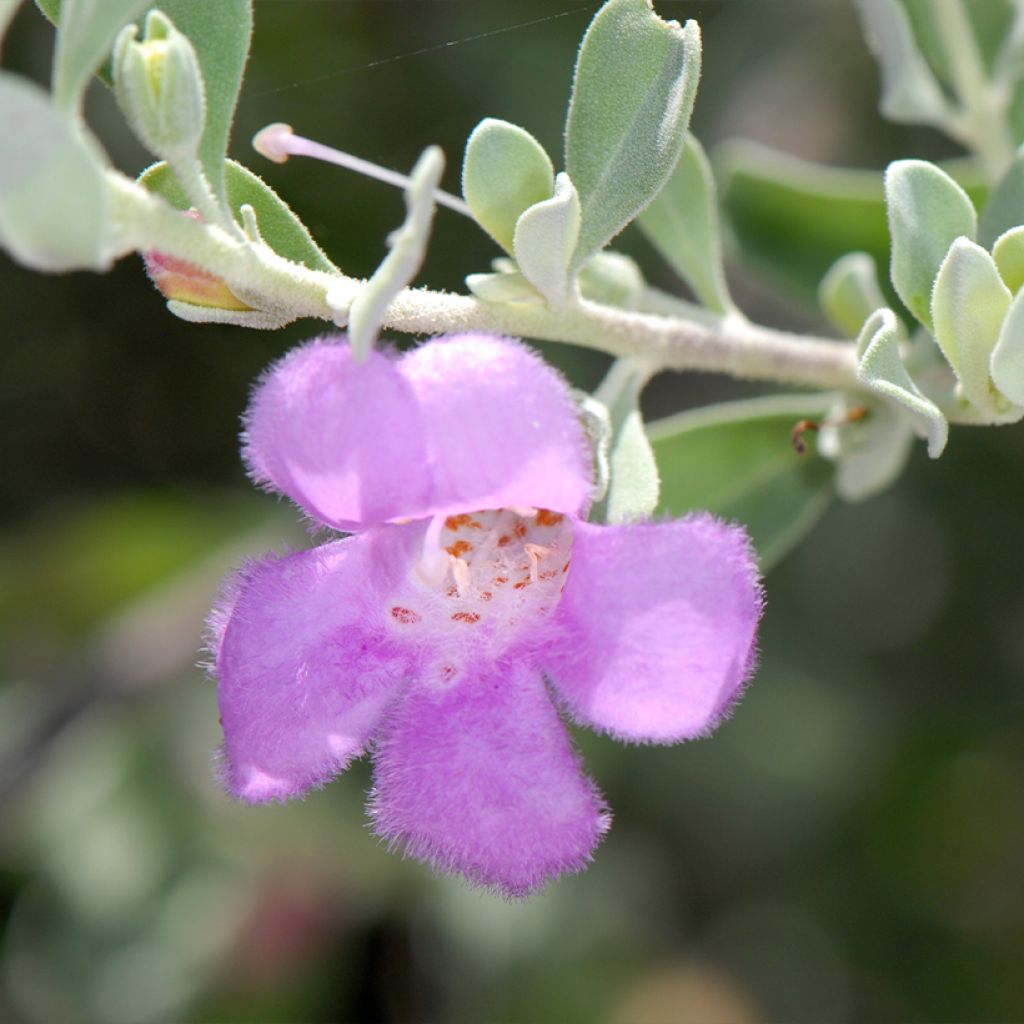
(484, 578)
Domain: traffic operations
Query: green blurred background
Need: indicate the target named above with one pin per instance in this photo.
(848, 847)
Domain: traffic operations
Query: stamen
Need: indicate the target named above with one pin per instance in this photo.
(277, 142)
(535, 552)
(460, 570)
(433, 562)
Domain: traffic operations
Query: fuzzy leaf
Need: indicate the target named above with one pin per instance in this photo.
(504, 172)
(53, 195)
(849, 293)
(881, 368)
(737, 461)
(633, 482)
(969, 305)
(408, 245)
(910, 92)
(86, 32)
(280, 227)
(1008, 253)
(927, 211)
(682, 224)
(545, 238)
(612, 278)
(633, 91)
(503, 287)
(1007, 365)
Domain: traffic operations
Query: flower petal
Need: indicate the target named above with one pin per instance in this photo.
(305, 662)
(502, 427)
(344, 440)
(657, 627)
(482, 779)
(457, 425)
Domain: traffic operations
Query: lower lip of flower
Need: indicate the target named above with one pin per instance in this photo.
(486, 577)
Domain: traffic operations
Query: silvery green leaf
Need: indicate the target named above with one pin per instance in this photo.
(737, 461)
(612, 279)
(1007, 364)
(969, 305)
(505, 171)
(1008, 253)
(910, 92)
(408, 245)
(633, 91)
(53, 195)
(927, 211)
(1004, 208)
(870, 451)
(682, 223)
(880, 367)
(85, 34)
(633, 482)
(849, 293)
(503, 287)
(544, 241)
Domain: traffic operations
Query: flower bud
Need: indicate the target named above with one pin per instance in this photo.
(181, 281)
(159, 86)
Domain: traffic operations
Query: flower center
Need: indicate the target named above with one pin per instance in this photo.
(483, 579)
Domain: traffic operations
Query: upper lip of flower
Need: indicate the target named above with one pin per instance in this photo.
(457, 425)
(413, 636)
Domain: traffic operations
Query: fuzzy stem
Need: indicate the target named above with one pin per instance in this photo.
(731, 346)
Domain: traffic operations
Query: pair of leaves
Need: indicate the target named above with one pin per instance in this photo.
(220, 32)
(954, 286)
(633, 92)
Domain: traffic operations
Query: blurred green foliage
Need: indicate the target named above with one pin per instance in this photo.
(847, 848)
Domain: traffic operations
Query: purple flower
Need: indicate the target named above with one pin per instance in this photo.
(427, 637)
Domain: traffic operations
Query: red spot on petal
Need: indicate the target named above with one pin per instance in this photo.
(520, 530)
(565, 568)
(404, 615)
(504, 540)
(466, 617)
(499, 580)
(486, 596)
(455, 523)
(521, 584)
(545, 517)
(460, 547)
